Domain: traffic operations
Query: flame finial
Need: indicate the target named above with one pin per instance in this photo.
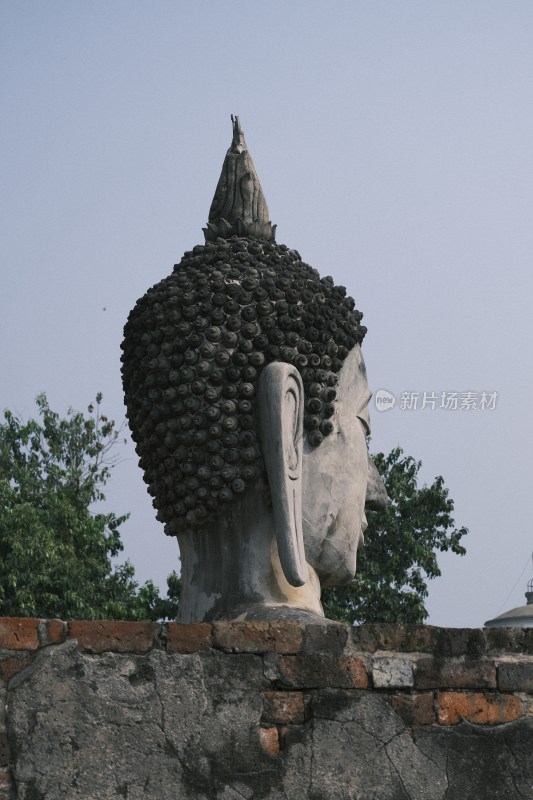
(239, 207)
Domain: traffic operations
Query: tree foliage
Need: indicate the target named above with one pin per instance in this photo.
(56, 551)
(400, 551)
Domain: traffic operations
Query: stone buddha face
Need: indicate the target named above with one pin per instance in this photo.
(335, 481)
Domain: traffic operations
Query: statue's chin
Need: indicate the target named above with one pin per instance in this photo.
(337, 579)
(337, 564)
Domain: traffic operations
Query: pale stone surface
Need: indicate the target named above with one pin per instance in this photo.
(391, 673)
(335, 481)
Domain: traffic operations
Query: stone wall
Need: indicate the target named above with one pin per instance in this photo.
(228, 711)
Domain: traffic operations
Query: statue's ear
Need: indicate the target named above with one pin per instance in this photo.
(280, 403)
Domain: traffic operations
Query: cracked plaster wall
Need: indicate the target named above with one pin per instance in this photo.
(264, 710)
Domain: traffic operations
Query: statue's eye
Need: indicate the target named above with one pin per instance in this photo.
(363, 414)
(364, 418)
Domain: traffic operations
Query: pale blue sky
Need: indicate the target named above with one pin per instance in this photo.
(393, 142)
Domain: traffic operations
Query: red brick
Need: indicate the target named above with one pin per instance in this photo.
(183, 638)
(122, 637)
(258, 637)
(55, 632)
(18, 633)
(269, 740)
(446, 674)
(283, 707)
(356, 670)
(10, 666)
(319, 671)
(477, 707)
(414, 709)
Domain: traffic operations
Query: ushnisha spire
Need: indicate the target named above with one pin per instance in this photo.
(239, 207)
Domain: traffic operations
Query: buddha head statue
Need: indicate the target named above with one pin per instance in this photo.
(247, 399)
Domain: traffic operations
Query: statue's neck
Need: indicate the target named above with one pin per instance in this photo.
(231, 570)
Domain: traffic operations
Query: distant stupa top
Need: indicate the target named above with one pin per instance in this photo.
(239, 207)
(520, 617)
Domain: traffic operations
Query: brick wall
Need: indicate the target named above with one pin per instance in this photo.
(408, 696)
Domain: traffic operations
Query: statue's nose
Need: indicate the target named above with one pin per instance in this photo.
(376, 494)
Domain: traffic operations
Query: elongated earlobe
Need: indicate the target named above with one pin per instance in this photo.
(280, 422)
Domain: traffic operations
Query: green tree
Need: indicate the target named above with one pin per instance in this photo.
(56, 551)
(400, 551)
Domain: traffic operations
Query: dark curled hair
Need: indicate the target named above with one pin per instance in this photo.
(194, 347)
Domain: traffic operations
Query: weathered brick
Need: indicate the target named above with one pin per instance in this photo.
(527, 640)
(104, 635)
(410, 638)
(317, 671)
(417, 638)
(283, 707)
(269, 740)
(451, 642)
(478, 708)
(372, 637)
(389, 672)
(414, 709)
(55, 632)
(182, 638)
(18, 633)
(401, 638)
(436, 673)
(5, 783)
(258, 637)
(4, 750)
(326, 637)
(509, 640)
(51, 631)
(11, 665)
(515, 677)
